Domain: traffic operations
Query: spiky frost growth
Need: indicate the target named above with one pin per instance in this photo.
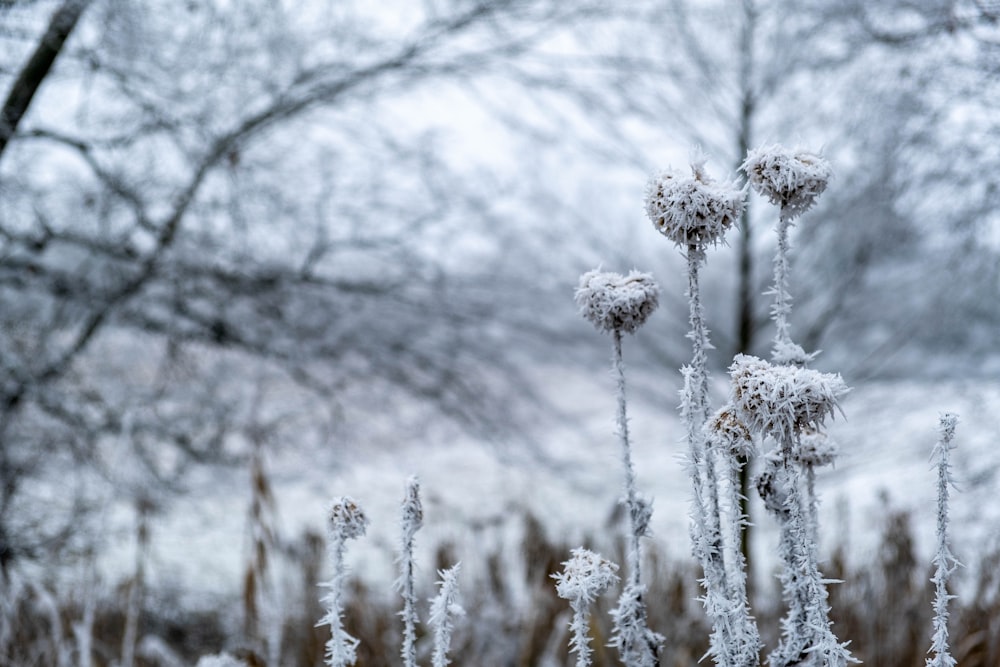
(636, 643)
(613, 302)
(345, 521)
(692, 210)
(412, 520)
(782, 400)
(620, 304)
(944, 561)
(695, 212)
(584, 577)
(813, 449)
(791, 179)
(735, 638)
(444, 608)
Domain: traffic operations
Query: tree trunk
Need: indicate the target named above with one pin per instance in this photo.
(30, 79)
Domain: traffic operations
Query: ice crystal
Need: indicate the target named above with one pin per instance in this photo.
(585, 576)
(792, 179)
(636, 643)
(692, 210)
(613, 302)
(444, 608)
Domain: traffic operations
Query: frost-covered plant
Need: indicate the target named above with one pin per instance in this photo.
(616, 303)
(944, 561)
(444, 608)
(412, 520)
(791, 180)
(781, 401)
(584, 577)
(620, 304)
(814, 449)
(345, 521)
(692, 210)
(784, 402)
(695, 212)
(735, 639)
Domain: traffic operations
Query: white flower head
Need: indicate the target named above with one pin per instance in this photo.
(780, 400)
(346, 518)
(585, 576)
(792, 179)
(612, 301)
(692, 210)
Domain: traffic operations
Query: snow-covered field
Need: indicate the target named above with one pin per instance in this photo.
(473, 492)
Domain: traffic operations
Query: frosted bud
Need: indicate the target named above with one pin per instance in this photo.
(413, 510)
(615, 302)
(787, 352)
(692, 210)
(780, 400)
(726, 429)
(641, 512)
(791, 179)
(585, 576)
(346, 518)
(815, 448)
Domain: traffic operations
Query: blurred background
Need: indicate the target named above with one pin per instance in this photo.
(257, 254)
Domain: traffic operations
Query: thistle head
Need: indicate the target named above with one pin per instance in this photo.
(781, 400)
(346, 519)
(692, 210)
(727, 430)
(815, 448)
(585, 576)
(792, 179)
(614, 302)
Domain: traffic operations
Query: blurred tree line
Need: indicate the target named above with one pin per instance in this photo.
(344, 223)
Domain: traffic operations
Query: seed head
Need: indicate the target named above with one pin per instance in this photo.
(726, 429)
(780, 400)
(790, 179)
(612, 301)
(692, 210)
(585, 576)
(815, 448)
(346, 518)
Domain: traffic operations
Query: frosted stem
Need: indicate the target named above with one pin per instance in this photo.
(707, 529)
(782, 299)
(944, 560)
(412, 519)
(635, 509)
(807, 636)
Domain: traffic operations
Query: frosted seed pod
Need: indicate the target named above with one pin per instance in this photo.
(692, 210)
(815, 448)
(347, 519)
(585, 576)
(780, 400)
(726, 429)
(790, 179)
(615, 302)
